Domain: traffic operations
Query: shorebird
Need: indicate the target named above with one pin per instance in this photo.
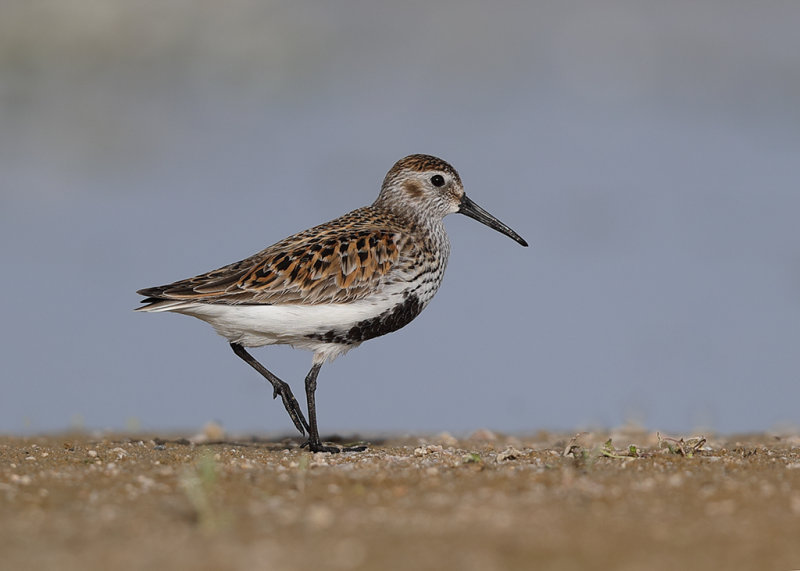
(332, 287)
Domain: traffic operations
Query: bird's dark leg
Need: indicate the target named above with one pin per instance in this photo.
(314, 444)
(280, 388)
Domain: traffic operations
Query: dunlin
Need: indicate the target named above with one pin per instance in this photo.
(332, 287)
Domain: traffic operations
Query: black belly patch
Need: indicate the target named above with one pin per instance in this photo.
(388, 321)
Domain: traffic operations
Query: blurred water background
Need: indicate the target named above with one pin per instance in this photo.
(649, 152)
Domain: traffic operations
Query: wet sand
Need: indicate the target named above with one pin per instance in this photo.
(543, 501)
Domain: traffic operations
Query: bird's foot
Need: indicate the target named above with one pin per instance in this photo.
(319, 447)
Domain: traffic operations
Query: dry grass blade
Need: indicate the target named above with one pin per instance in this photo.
(686, 448)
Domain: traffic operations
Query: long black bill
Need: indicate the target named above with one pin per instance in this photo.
(474, 211)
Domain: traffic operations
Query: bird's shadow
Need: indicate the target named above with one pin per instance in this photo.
(281, 443)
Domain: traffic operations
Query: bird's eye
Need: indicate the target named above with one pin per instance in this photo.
(437, 180)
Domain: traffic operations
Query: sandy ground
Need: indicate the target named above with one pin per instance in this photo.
(487, 502)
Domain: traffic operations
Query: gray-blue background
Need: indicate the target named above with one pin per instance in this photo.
(649, 152)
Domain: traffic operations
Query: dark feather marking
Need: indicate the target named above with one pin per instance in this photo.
(388, 321)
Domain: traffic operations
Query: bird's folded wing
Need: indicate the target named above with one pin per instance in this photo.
(337, 262)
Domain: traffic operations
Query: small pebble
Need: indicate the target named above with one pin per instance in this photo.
(446, 439)
(483, 434)
(510, 453)
(120, 452)
(429, 449)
